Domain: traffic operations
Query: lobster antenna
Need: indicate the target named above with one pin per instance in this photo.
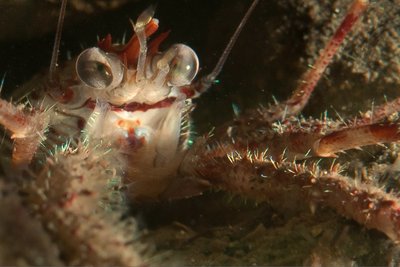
(57, 39)
(208, 80)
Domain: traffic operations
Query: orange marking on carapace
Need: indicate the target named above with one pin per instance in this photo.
(133, 141)
(134, 106)
(68, 202)
(155, 44)
(121, 123)
(129, 51)
(21, 119)
(188, 91)
(66, 96)
(128, 125)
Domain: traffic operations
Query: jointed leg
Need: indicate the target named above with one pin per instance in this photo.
(300, 96)
(27, 130)
(380, 113)
(349, 138)
(283, 183)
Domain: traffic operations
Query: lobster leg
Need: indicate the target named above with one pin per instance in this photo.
(295, 104)
(296, 139)
(77, 198)
(283, 183)
(356, 137)
(27, 130)
(380, 113)
(274, 175)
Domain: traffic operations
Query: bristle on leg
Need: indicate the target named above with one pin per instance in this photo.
(27, 130)
(295, 104)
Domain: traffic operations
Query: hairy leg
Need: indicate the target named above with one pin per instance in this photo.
(27, 128)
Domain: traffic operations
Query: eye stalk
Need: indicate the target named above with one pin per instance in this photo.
(178, 66)
(99, 70)
(184, 66)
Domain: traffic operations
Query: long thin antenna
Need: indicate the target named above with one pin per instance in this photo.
(208, 80)
(57, 39)
(2, 82)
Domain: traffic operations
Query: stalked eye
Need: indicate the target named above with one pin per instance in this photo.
(99, 70)
(184, 66)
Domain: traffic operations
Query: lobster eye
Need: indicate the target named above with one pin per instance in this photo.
(184, 67)
(99, 70)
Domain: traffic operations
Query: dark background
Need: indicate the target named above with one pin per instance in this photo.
(264, 62)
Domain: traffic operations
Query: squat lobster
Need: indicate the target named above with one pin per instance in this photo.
(130, 104)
